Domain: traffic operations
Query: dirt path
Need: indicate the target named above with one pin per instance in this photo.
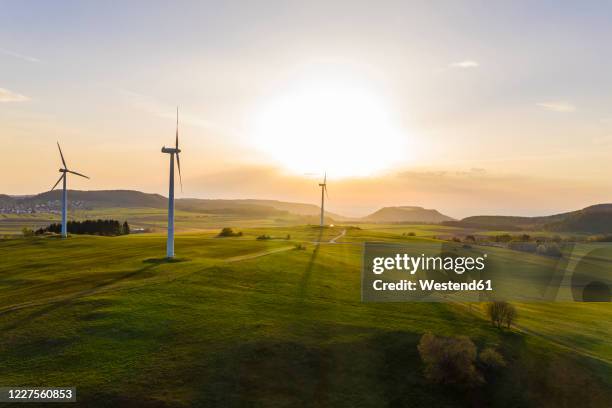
(257, 254)
(333, 240)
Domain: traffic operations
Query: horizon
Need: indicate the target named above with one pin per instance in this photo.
(417, 107)
(359, 215)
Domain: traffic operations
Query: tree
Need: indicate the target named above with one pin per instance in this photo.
(93, 227)
(449, 360)
(126, 228)
(501, 314)
(491, 358)
(229, 232)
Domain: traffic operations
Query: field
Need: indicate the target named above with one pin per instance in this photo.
(246, 322)
(150, 218)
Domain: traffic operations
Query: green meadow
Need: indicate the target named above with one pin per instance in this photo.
(247, 322)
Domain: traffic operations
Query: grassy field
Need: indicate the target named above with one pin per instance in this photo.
(150, 218)
(446, 231)
(245, 322)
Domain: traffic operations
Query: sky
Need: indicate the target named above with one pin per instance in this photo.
(469, 107)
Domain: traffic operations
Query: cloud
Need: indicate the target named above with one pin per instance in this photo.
(557, 106)
(163, 110)
(19, 56)
(9, 96)
(603, 140)
(464, 64)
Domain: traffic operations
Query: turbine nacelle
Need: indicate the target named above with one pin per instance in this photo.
(171, 150)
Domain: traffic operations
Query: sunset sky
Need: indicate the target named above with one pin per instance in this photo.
(469, 107)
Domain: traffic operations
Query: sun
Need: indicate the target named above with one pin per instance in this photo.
(344, 130)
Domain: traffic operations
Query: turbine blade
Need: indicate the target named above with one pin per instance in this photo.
(55, 185)
(176, 146)
(326, 193)
(78, 174)
(178, 163)
(325, 178)
(61, 155)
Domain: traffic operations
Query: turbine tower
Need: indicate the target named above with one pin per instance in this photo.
(323, 194)
(172, 151)
(62, 178)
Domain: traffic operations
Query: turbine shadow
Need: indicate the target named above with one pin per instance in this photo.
(56, 304)
(161, 261)
(308, 272)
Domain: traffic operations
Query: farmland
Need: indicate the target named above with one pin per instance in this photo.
(240, 321)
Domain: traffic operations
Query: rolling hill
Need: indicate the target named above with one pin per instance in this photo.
(241, 322)
(592, 219)
(135, 199)
(406, 214)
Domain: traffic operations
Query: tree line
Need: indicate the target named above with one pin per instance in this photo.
(90, 227)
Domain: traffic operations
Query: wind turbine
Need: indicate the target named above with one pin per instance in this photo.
(172, 151)
(323, 194)
(62, 178)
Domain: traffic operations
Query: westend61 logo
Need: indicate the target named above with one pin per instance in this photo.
(449, 271)
(413, 264)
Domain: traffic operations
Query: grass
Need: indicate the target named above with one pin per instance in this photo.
(151, 218)
(246, 322)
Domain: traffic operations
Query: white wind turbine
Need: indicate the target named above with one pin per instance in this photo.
(63, 177)
(323, 194)
(172, 152)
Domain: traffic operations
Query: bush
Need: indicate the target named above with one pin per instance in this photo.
(502, 238)
(288, 237)
(264, 237)
(27, 232)
(501, 314)
(229, 232)
(551, 249)
(449, 360)
(411, 234)
(491, 359)
(299, 247)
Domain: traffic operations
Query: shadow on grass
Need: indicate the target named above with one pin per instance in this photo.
(373, 369)
(55, 304)
(161, 261)
(308, 272)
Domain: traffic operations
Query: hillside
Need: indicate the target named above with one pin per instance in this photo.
(245, 322)
(592, 219)
(91, 200)
(595, 219)
(271, 207)
(407, 214)
(103, 198)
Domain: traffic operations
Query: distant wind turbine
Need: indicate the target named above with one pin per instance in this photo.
(64, 172)
(172, 152)
(323, 194)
